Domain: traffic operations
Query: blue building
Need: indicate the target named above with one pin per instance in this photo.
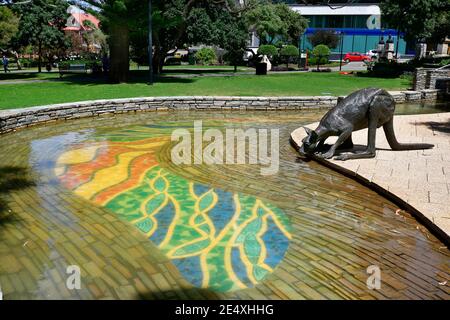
(359, 25)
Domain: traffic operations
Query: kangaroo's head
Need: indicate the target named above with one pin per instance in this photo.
(309, 143)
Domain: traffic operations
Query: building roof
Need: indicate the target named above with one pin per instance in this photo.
(77, 18)
(347, 10)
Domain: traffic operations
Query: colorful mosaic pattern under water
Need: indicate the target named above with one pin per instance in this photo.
(217, 239)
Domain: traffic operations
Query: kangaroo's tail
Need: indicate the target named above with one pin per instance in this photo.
(395, 145)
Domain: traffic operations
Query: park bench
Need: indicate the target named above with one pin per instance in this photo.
(72, 68)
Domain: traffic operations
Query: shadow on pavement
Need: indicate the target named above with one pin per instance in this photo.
(443, 127)
(11, 179)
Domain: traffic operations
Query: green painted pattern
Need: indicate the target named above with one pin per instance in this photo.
(217, 239)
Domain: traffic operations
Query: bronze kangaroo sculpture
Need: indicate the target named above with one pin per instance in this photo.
(367, 108)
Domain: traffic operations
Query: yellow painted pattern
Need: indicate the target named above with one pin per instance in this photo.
(77, 156)
(108, 177)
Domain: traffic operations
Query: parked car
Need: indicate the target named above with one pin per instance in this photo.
(250, 53)
(373, 54)
(355, 56)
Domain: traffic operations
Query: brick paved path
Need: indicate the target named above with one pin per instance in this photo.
(420, 177)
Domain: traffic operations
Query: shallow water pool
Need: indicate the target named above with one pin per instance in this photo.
(103, 195)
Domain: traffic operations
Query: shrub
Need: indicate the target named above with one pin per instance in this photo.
(289, 52)
(206, 56)
(444, 62)
(321, 70)
(28, 63)
(388, 69)
(268, 50)
(319, 52)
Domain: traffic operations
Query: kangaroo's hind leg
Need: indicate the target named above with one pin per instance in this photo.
(370, 151)
(347, 145)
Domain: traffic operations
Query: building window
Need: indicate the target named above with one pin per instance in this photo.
(335, 22)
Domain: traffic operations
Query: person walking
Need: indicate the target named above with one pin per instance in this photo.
(5, 63)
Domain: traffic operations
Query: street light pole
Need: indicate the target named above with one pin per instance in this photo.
(150, 44)
(342, 50)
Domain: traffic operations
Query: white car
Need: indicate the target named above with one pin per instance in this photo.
(373, 54)
(250, 53)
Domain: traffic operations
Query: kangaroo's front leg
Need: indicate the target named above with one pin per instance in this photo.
(370, 151)
(342, 138)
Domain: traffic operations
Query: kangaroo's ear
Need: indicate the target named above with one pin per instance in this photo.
(308, 131)
(311, 133)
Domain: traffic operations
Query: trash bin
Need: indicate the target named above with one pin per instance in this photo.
(261, 69)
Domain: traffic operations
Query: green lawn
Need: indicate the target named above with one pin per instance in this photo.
(76, 88)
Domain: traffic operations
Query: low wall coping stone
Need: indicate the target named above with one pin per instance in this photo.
(24, 117)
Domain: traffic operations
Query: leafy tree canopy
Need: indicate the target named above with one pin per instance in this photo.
(289, 51)
(274, 22)
(321, 54)
(213, 25)
(326, 37)
(268, 50)
(41, 24)
(9, 25)
(321, 51)
(418, 19)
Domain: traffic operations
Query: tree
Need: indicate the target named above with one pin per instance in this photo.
(326, 37)
(94, 37)
(275, 22)
(442, 29)
(118, 18)
(418, 19)
(288, 52)
(213, 25)
(320, 52)
(235, 41)
(268, 50)
(9, 25)
(126, 23)
(41, 25)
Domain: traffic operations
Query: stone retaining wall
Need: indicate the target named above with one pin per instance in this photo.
(425, 78)
(420, 78)
(19, 118)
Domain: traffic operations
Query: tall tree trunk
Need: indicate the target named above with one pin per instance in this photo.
(40, 57)
(119, 44)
